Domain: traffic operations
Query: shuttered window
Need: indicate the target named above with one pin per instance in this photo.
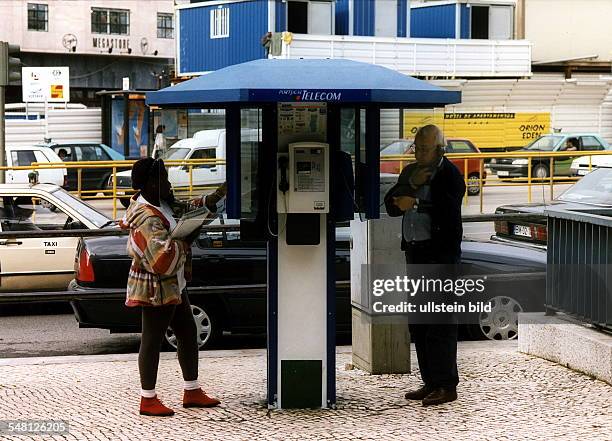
(219, 23)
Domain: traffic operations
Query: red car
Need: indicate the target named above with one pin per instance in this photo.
(453, 145)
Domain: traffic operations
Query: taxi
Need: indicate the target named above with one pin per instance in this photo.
(30, 260)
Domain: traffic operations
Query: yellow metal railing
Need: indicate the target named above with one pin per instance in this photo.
(112, 191)
(493, 180)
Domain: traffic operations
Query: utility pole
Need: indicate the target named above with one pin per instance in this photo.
(10, 70)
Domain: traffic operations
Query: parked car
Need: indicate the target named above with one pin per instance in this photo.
(41, 263)
(585, 164)
(24, 156)
(205, 144)
(518, 167)
(91, 178)
(593, 190)
(453, 145)
(228, 292)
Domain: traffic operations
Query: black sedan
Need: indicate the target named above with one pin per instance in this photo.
(228, 291)
(593, 190)
(92, 178)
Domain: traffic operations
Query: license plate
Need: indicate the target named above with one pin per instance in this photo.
(521, 230)
(503, 173)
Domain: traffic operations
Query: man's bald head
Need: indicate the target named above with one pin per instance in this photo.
(429, 145)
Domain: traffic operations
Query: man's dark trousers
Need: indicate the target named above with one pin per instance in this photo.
(436, 344)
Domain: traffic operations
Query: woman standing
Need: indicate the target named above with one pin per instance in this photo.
(157, 282)
(159, 145)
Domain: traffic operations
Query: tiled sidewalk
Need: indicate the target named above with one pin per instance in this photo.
(504, 395)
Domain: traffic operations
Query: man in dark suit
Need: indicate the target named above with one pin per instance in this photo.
(428, 195)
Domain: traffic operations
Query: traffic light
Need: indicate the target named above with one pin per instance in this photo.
(10, 67)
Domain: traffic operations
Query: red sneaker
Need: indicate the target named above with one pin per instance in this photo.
(154, 407)
(197, 398)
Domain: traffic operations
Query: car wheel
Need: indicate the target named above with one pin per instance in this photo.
(539, 171)
(104, 182)
(206, 328)
(502, 322)
(473, 184)
(125, 202)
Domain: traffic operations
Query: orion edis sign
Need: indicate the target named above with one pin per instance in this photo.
(308, 95)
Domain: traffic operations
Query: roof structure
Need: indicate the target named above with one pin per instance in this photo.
(312, 80)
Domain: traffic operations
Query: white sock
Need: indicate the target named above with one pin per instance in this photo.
(147, 393)
(192, 385)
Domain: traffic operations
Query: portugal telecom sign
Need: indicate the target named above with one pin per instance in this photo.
(45, 84)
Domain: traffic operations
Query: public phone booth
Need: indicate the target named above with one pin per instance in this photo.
(295, 183)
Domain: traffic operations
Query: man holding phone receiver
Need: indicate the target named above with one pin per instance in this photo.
(428, 195)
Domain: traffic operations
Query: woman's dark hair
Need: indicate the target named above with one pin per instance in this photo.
(143, 169)
(160, 129)
(573, 141)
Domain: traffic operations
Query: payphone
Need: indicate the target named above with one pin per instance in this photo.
(303, 179)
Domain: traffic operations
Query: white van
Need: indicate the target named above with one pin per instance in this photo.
(23, 156)
(205, 144)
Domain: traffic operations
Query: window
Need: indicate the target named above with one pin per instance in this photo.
(64, 152)
(204, 154)
(38, 17)
(460, 147)
(219, 23)
(22, 158)
(591, 143)
(25, 213)
(165, 25)
(91, 153)
(110, 21)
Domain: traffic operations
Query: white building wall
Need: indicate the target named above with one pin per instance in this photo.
(581, 104)
(561, 29)
(74, 18)
(76, 124)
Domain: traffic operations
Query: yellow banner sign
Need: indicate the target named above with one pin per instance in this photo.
(485, 129)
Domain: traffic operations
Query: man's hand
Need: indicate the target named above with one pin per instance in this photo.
(421, 176)
(404, 202)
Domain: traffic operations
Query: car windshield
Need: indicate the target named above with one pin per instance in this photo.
(396, 148)
(176, 153)
(545, 143)
(83, 208)
(595, 188)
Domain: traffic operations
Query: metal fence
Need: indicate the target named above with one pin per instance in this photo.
(579, 264)
(468, 162)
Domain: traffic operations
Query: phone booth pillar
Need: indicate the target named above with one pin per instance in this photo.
(294, 185)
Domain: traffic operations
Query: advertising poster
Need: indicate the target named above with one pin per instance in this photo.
(50, 84)
(484, 129)
(138, 127)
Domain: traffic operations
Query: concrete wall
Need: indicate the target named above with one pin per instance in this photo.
(569, 28)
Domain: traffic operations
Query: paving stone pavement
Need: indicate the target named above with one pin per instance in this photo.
(503, 395)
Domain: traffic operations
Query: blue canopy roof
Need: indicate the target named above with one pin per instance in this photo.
(326, 80)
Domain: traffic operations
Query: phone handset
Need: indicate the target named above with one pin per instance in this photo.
(283, 164)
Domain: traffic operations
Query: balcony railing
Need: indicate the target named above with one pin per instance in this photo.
(423, 57)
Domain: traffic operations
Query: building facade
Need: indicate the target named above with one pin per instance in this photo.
(101, 41)
(432, 38)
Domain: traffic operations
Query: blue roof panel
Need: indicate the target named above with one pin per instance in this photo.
(329, 80)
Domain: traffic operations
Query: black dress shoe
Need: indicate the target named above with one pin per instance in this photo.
(419, 394)
(440, 395)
